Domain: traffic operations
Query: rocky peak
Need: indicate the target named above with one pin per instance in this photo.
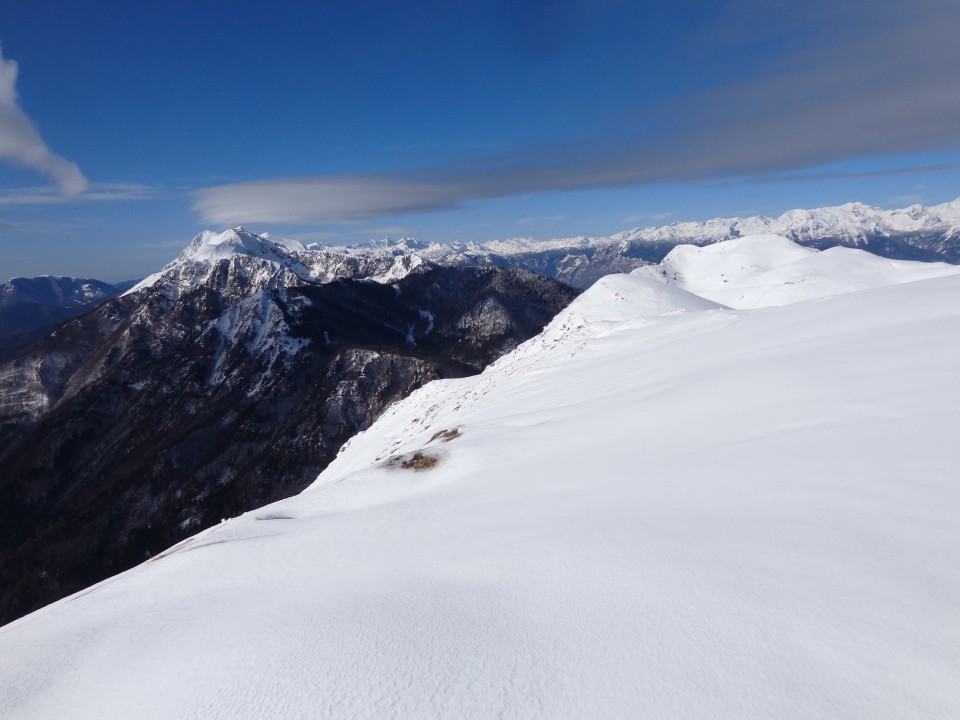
(233, 262)
(211, 246)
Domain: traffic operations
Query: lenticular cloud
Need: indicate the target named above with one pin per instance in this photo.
(21, 143)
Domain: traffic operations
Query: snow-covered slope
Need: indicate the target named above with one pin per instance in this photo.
(764, 270)
(660, 507)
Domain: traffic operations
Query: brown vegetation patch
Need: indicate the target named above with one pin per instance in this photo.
(419, 461)
(446, 435)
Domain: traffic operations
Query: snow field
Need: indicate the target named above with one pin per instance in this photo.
(660, 507)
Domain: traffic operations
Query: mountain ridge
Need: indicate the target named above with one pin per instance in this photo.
(912, 233)
(228, 378)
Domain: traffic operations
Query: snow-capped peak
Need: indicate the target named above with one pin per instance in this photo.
(211, 246)
(263, 257)
(852, 222)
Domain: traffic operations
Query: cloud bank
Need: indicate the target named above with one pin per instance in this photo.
(869, 79)
(21, 143)
(95, 192)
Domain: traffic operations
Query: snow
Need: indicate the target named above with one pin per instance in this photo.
(210, 246)
(852, 221)
(428, 316)
(258, 323)
(265, 259)
(764, 270)
(387, 261)
(660, 507)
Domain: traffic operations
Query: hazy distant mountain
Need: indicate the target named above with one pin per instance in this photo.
(659, 507)
(227, 380)
(913, 233)
(30, 306)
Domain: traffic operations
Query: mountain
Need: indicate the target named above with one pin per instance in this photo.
(913, 233)
(31, 307)
(227, 380)
(658, 507)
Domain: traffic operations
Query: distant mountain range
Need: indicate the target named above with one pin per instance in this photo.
(31, 307)
(913, 233)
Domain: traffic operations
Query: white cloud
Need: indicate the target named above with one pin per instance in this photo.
(540, 218)
(330, 199)
(873, 78)
(21, 143)
(646, 217)
(97, 192)
(384, 231)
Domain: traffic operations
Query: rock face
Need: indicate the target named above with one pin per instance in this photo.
(226, 381)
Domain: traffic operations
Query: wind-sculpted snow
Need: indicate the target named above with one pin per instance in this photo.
(764, 270)
(661, 507)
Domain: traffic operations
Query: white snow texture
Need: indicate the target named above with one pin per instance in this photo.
(661, 507)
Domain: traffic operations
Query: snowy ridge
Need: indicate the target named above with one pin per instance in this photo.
(210, 246)
(252, 262)
(659, 508)
(852, 221)
(765, 270)
(31, 306)
(54, 290)
(915, 232)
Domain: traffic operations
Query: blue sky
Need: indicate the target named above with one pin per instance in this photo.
(126, 128)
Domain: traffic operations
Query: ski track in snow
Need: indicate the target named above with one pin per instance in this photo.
(659, 507)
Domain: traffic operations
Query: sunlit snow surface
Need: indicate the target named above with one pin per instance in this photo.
(660, 507)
